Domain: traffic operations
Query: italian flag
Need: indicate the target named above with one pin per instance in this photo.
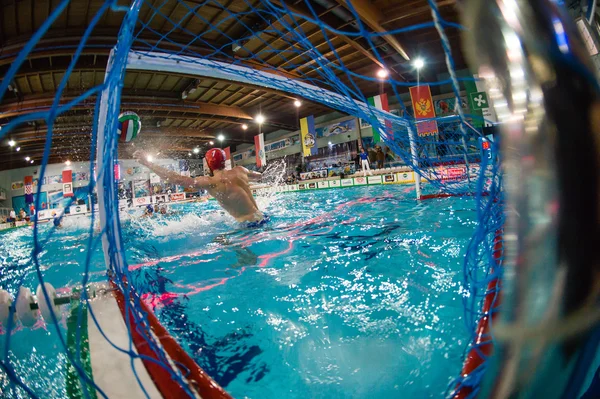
(379, 102)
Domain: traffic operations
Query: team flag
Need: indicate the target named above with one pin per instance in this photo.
(308, 136)
(423, 105)
(261, 157)
(28, 180)
(380, 102)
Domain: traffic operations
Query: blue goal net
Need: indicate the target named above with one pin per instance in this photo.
(313, 51)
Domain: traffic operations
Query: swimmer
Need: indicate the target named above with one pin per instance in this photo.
(149, 210)
(229, 187)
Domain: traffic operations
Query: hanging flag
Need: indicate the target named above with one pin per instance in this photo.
(380, 102)
(261, 157)
(67, 179)
(228, 163)
(423, 106)
(28, 180)
(308, 136)
(479, 102)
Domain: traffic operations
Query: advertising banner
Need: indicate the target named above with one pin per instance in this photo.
(142, 201)
(322, 184)
(177, 197)
(336, 128)
(406, 177)
(77, 209)
(360, 181)
(335, 183)
(389, 179)
(374, 179)
(347, 182)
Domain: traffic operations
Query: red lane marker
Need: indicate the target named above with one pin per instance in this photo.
(170, 389)
(482, 346)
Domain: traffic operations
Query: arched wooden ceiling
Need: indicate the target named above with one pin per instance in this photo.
(177, 124)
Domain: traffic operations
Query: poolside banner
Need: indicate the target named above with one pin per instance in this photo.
(423, 106)
(261, 157)
(228, 163)
(67, 179)
(379, 102)
(308, 136)
(28, 180)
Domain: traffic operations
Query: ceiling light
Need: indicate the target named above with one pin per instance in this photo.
(196, 150)
(220, 137)
(419, 63)
(18, 148)
(11, 143)
(68, 163)
(211, 142)
(189, 154)
(382, 74)
(244, 126)
(260, 119)
(329, 143)
(27, 158)
(31, 161)
(297, 104)
(149, 158)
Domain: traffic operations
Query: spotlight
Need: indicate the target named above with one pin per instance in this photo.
(27, 158)
(260, 119)
(211, 142)
(189, 154)
(11, 143)
(31, 161)
(196, 150)
(419, 63)
(68, 163)
(18, 149)
(220, 137)
(244, 126)
(149, 158)
(382, 74)
(329, 143)
(297, 103)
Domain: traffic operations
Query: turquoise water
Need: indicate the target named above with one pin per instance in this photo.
(345, 293)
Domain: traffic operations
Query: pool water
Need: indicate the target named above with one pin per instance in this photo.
(345, 293)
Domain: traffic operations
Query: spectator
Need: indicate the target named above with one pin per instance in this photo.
(12, 217)
(364, 157)
(22, 214)
(31, 209)
(380, 158)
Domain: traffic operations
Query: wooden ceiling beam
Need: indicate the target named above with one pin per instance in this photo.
(371, 15)
(406, 11)
(344, 38)
(129, 102)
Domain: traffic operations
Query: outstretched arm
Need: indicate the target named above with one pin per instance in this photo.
(252, 176)
(172, 177)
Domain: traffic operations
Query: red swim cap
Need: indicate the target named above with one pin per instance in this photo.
(215, 159)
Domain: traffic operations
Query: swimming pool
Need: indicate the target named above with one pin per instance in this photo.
(345, 293)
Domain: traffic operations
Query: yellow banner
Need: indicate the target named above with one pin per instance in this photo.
(308, 136)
